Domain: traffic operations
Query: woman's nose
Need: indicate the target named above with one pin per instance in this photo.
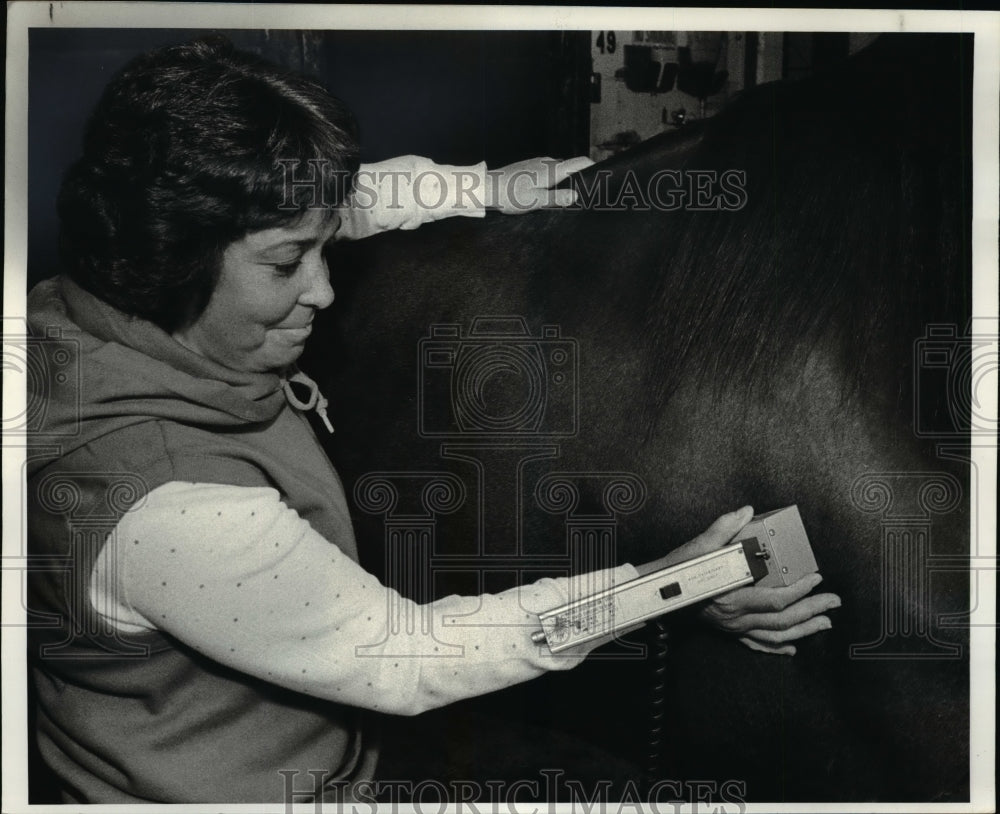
(318, 292)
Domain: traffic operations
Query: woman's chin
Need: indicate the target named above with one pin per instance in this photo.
(274, 360)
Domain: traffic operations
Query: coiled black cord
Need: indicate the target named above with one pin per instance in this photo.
(658, 700)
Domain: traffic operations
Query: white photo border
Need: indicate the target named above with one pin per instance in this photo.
(24, 16)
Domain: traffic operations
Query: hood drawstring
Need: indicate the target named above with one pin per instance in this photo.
(316, 399)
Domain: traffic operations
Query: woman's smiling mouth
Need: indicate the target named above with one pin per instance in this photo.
(296, 334)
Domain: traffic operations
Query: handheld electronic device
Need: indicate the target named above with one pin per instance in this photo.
(771, 550)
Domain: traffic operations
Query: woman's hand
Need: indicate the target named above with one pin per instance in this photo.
(526, 185)
(722, 531)
(766, 619)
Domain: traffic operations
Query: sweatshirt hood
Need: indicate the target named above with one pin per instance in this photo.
(99, 370)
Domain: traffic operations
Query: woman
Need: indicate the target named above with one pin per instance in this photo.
(216, 627)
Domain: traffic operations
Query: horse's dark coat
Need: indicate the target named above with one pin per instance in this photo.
(763, 355)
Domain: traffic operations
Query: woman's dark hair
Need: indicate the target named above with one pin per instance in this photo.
(190, 148)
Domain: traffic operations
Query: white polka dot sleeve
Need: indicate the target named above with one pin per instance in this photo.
(237, 575)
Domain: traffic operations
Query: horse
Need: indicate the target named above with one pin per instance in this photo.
(732, 313)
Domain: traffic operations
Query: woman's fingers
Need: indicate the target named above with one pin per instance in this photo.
(765, 613)
(564, 169)
(560, 172)
(781, 636)
(724, 529)
(715, 536)
(780, 650)
(795, 614)
(527, 185)
(777, 641)
(769, 618)
(755, 599)
(549, 198)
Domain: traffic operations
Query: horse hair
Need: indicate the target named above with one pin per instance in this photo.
(856, 190)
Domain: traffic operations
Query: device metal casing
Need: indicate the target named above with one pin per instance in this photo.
(772, 550)
(785, 546)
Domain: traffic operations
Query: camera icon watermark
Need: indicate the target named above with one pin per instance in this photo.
(49, 368)
(497, 381)
(501, 399)
(963, 368)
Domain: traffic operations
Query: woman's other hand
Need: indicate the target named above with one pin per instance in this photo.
(768, 619)
(527, 185)
(765, 619)
(722, 531)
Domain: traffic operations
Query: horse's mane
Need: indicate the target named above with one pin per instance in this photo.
(855, 229)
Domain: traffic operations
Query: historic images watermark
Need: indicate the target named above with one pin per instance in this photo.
(663, 796)
(318, 184)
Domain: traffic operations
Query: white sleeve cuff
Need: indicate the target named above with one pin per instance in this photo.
(409, 191)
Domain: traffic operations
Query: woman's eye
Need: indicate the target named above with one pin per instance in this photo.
(288, 269)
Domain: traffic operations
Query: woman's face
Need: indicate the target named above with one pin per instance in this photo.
(270, 286)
